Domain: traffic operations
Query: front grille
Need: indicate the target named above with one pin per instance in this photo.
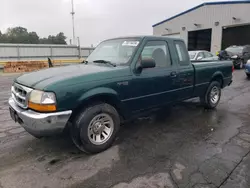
(20, 94)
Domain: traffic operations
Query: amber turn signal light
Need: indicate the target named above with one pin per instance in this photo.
(42, 107)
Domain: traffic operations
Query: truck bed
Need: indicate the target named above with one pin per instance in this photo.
(204, 72)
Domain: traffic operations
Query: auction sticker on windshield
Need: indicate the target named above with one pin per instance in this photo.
(130, 43)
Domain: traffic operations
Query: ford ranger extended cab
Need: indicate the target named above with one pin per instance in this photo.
(120, 80)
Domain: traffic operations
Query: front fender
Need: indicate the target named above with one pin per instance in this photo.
(97, 92)
(106, 94)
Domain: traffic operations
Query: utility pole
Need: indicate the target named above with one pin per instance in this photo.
(79, 47)
(73, 21)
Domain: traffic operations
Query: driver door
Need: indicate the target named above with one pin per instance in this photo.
(153, 87)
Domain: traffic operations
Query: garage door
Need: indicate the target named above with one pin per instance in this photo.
(177, 35)
(238, 35)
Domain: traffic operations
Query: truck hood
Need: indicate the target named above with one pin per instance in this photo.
(55, 74)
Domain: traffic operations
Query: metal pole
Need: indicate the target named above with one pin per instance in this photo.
(51, 52)
(18, 52)
(79, 47)
(73, 20)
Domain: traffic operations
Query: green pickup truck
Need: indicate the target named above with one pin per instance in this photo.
(122, 79)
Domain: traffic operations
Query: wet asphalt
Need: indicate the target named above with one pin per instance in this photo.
(184, 146)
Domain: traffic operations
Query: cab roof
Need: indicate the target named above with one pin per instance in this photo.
(150, 37)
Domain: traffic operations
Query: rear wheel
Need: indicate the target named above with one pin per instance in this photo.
(212, 97)
(95, 128)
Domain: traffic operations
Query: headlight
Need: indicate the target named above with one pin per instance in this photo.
(42, 101)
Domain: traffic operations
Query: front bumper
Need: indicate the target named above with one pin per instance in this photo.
(39, 124)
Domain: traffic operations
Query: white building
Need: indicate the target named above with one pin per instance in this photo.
(210, 26)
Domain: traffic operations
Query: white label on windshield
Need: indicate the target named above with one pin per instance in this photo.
(130, 43)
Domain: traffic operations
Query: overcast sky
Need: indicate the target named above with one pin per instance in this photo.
(95, 20)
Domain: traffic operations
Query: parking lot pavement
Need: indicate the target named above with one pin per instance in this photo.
(185, 147)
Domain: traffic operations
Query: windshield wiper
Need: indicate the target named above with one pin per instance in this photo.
(105, 62)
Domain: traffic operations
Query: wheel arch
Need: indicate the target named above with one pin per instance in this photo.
(105, 95)
(218, 76)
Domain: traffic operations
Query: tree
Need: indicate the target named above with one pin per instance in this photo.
(60, 38)
(33, 38)
(3, 38)
(21, 35)
(18, 35)
(16, 31)
(44, 41)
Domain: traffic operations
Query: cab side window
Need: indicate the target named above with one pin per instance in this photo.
(157, 50)
(182, 53)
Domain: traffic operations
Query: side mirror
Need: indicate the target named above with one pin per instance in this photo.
(199, 58)
(147, 63)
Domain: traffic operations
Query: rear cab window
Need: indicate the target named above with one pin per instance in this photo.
(182, 53)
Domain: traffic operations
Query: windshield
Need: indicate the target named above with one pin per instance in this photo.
(116, 51)
(235, 50)
(192, 54)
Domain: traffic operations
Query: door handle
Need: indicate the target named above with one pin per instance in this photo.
(173, 74)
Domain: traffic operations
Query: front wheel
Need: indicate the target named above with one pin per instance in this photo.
(212, 96)
(95, 128)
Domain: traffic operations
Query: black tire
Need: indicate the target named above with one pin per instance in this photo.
(81, 123)
(207, 100)
(248, 75)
